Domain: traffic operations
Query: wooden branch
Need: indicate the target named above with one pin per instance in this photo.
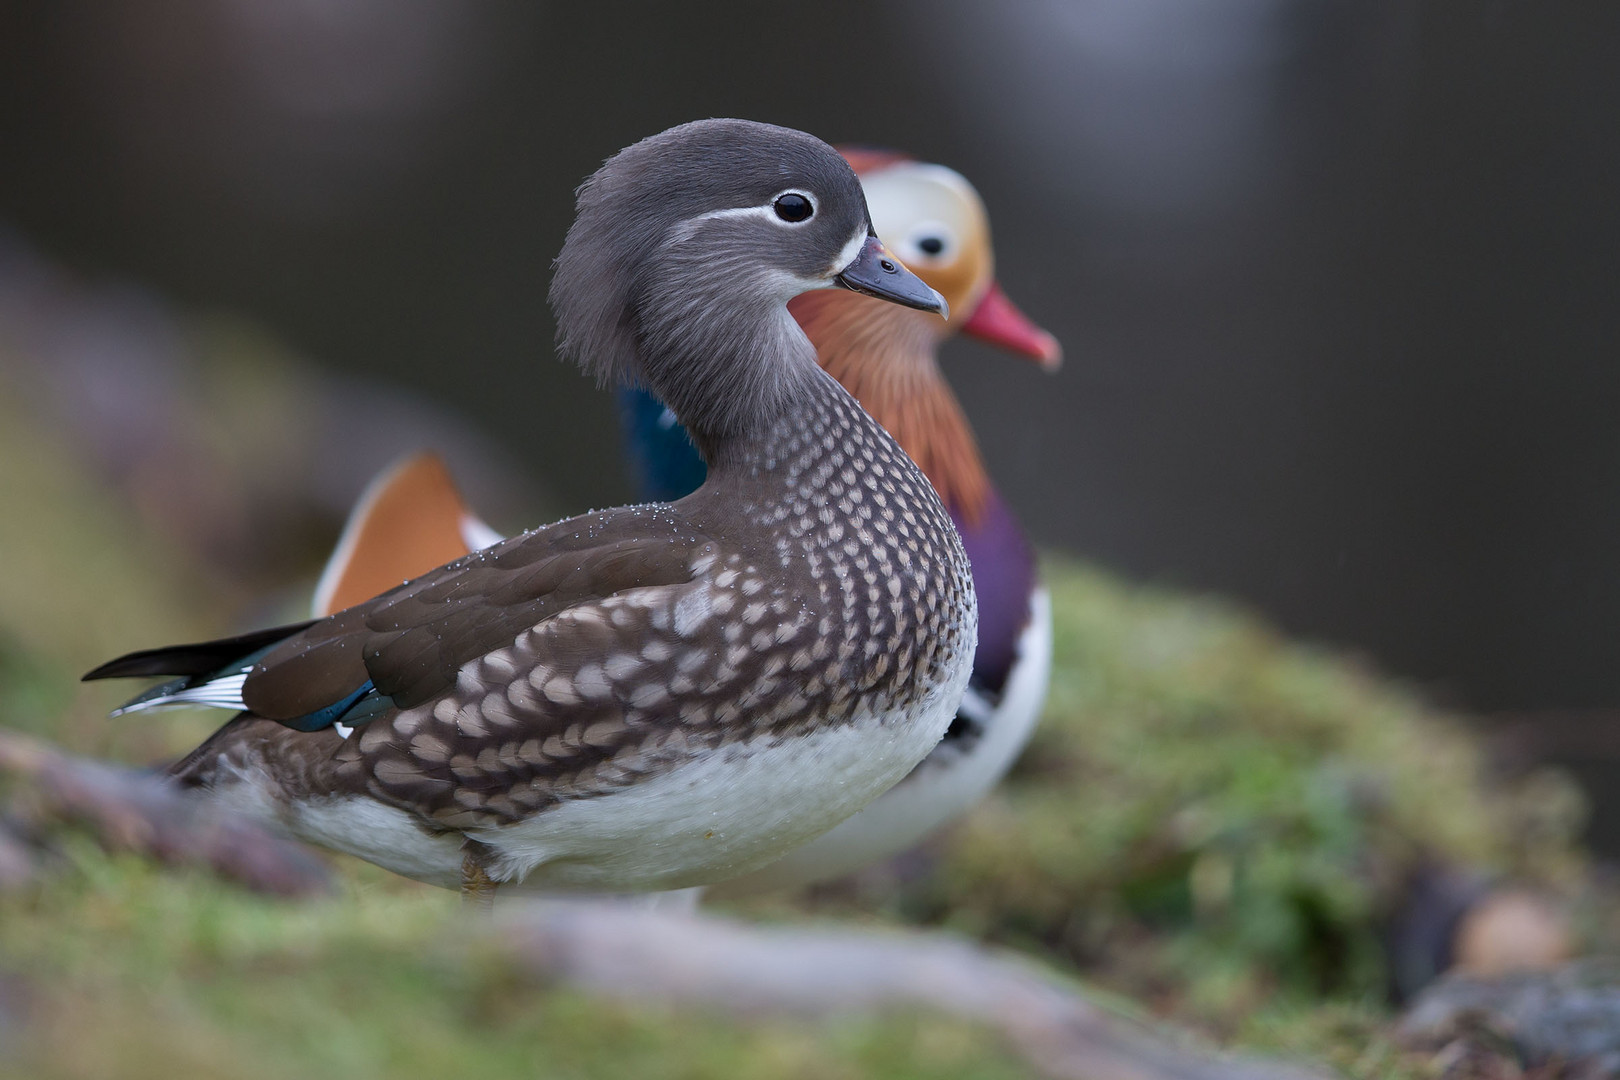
(16, 861)
(140, 811)
(648, 955)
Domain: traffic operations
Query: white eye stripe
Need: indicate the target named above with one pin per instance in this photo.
(734, 212)
(768, 212)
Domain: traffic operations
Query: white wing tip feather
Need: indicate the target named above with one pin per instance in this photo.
(224, 692)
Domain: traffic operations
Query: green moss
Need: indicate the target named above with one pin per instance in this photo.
(1219, 821)
(1353, 1037)
(127, 971)
(81, 576)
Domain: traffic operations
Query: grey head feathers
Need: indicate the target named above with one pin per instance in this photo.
(677, 270)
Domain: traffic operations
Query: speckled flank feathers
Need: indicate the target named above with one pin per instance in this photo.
(850, 596)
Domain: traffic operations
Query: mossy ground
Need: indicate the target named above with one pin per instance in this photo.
(1221, 821)
(117, 969)
(1212, 822)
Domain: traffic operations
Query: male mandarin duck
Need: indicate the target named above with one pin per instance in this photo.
(888, 359)
(412, 516)
(650, 697)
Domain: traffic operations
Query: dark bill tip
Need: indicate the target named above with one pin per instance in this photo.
(877, 273)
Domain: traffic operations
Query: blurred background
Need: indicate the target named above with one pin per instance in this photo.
(1336, 280)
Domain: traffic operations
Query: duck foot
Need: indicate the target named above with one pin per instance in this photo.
(477, 887)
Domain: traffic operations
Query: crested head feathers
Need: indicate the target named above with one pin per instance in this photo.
(681, 223)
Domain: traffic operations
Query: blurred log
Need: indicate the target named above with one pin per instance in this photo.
(16, 861)
(137, 811)
(630, 952)
(1566, 1021)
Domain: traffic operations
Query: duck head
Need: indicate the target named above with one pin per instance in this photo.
(887, 357)
(935, 221)
(686, 249)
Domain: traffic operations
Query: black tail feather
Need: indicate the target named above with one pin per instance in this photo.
(202, 658)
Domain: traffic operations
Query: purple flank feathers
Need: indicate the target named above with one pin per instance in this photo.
(1004, 577)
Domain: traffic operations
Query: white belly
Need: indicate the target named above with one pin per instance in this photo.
(717, 816)
(940, 790)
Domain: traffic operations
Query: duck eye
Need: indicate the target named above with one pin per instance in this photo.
(934, 243)
(793, 207)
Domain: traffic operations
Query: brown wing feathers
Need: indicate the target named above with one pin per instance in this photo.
(200, 658)
(412, 641)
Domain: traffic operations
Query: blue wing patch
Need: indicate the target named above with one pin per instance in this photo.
(352, 710)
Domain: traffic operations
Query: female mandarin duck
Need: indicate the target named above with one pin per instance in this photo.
(648, 697)
(412, 518)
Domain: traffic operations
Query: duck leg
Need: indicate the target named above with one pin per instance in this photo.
(477, 887)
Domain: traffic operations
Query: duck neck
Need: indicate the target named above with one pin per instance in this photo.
(731, 374)
(886, 357)
(762, 458)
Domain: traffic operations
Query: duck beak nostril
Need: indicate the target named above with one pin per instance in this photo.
(874, 272)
